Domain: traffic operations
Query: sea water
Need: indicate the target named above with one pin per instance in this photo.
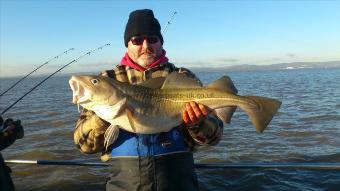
(306, 129)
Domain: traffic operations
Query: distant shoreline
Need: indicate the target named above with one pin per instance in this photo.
(259, 69)
(233, 68)
(272, 67)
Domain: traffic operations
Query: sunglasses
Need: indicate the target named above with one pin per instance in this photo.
(138, 40)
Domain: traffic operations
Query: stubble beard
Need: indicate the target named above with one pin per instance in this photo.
(146, 58)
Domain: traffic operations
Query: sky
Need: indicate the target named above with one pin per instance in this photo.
(203, 33)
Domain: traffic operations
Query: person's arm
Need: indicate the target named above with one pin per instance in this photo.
(202, 125)
(11, 131)
(89, 133)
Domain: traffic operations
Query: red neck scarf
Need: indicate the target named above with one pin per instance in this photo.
(126, 60)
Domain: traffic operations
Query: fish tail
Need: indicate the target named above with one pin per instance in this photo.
(261, 116)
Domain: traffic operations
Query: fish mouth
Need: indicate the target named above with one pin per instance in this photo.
(80, 93)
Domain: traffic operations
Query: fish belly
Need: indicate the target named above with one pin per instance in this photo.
(146, 124)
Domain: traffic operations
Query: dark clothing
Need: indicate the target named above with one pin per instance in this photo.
(6, 183)
(6, 140)
(174, 172)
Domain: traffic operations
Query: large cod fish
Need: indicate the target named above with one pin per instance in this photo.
(156, 105)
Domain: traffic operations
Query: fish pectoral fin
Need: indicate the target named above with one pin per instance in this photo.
(224, 83)
(225, 113)
(111, 135)
(176, 80)
(110, 111)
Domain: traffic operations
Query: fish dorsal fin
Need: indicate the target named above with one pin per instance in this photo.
(153, 83)
(176, 80)
(224, 83)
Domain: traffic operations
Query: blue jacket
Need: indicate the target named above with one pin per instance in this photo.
(131, 144)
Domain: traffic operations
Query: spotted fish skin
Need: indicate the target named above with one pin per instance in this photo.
(146, 109)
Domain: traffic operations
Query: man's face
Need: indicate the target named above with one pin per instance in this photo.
(144, 50)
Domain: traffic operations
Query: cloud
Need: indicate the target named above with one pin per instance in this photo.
(291, 55)
(210, 63)
(228, 60)
(192, 64)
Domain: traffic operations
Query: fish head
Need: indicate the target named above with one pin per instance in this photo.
(93, 90)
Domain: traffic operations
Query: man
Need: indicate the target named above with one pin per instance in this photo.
(9, 131)
(149, 161)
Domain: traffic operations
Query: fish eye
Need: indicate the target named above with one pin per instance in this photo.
(94, 81)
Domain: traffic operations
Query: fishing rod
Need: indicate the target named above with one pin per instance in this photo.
(56, 57)
(75, 60)
(305, 166)
(56, 162)
(169, 22)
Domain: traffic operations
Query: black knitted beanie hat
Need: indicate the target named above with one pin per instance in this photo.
(142, 22)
